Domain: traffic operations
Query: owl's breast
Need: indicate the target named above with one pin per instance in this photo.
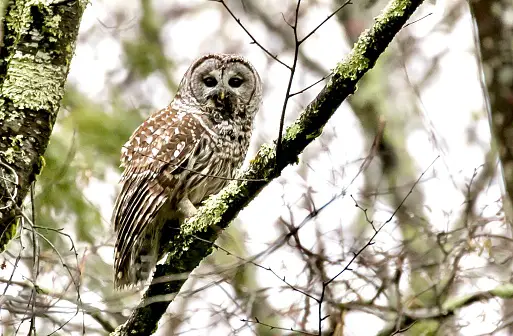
(217, 160)
(232, 139)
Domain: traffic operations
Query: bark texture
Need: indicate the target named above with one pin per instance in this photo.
(37, 44)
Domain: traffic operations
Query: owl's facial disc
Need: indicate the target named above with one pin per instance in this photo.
(224, 86)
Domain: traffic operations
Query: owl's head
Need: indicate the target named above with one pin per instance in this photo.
(225, 83)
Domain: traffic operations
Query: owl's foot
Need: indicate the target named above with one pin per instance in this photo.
(186, 208)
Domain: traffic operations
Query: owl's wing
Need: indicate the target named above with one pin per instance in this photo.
(153, 153)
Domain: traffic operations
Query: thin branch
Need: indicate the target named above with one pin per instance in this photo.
(76, 282)
(369, 243)
(422, 18)
(289, 85)
(367, 219)
(348, 2)
(14, 182)
(256, 321)
(35, 268)
(274, 57)
(309, 86)
(401, 330)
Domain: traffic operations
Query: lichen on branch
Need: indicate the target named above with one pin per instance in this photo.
(38, 41)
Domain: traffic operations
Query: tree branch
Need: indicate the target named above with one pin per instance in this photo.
(38, 42)
(186, 252)
(430, 319)
(497, 88)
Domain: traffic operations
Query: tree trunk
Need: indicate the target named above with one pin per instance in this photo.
(495, 42)
(37, 44)
(497, 61)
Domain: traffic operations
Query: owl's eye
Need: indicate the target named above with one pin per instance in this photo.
(210, 81)
(235, 82)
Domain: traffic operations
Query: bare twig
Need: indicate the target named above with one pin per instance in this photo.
(369, 243)
(13, 182)
(274, 57)
(309, 86)
(277, 328)
(289, 84)
(348, 2)
(76, 282)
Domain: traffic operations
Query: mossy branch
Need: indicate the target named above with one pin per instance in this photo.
(198, 233)
(37, 44)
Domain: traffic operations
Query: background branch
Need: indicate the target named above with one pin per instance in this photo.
(497, 89)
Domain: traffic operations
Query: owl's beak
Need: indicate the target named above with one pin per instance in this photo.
(220, 98)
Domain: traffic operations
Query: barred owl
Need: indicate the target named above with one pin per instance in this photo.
(179, 156)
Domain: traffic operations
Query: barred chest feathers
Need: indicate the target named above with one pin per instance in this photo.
(218, 157)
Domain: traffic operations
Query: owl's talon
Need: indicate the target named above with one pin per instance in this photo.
(186, 208)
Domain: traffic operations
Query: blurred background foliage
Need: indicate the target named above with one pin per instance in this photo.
(129, 59)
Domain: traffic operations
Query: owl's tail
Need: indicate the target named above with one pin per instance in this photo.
(138, 267)
(138, 231)
(153, 246)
